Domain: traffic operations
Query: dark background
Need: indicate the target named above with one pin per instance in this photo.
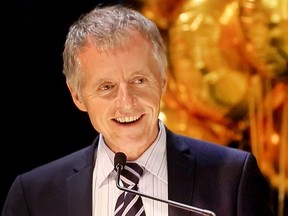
(39, 119)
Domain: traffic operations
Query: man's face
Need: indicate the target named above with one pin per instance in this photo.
(121, 91)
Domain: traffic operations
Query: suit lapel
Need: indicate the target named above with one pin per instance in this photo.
(80, 192)
(181, 166)
(79, 185)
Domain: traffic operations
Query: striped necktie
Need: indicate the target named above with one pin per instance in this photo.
(129, 204)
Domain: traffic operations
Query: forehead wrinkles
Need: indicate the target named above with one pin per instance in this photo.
(132, 43)
(113, 42)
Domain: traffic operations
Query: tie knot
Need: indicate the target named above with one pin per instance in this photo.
(131, 173)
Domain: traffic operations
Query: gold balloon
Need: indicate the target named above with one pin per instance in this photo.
(208, 74)
(265, 26)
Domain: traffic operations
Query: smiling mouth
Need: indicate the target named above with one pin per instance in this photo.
(127, 120)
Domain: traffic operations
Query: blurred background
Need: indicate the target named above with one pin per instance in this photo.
(228, 81)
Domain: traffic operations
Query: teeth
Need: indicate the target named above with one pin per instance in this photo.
(127, 119)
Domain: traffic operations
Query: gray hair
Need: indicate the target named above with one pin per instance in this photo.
(108, 28)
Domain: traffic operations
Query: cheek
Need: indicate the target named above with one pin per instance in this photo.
(151, 97)
(96, 108)
(98, 115)
(99, 107)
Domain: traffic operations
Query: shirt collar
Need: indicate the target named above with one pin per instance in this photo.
(149, 159)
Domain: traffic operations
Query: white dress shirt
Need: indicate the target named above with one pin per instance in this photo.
(154, 181)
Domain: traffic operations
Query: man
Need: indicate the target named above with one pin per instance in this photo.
(115, 67)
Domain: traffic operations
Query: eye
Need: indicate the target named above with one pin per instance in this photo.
(139, 80)
(106, 86)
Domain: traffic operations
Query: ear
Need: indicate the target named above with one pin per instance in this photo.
(76, 98)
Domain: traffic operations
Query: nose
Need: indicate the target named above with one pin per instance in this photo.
(125, 98)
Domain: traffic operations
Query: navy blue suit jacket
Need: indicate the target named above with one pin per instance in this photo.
(224, 180)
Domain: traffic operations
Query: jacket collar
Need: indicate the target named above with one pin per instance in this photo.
(79, 184)
(181, 172)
